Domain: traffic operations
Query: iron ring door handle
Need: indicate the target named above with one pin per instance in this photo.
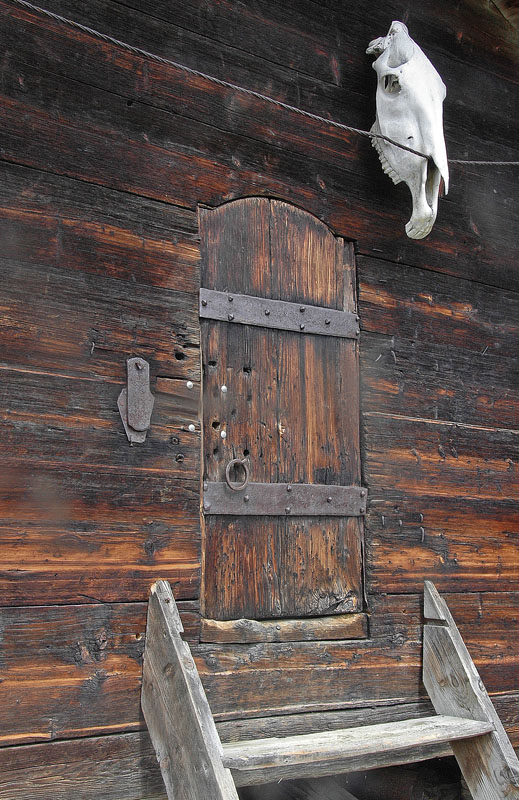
(237, 462)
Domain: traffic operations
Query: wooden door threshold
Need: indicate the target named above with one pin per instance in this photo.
(308, 629)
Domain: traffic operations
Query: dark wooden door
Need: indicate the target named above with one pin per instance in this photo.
(288, 401)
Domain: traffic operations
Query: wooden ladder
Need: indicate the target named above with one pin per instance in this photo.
(196, 765)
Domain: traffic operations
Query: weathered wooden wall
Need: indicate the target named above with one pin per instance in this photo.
(104, 158)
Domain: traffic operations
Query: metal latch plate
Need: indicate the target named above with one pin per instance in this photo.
(135, 403)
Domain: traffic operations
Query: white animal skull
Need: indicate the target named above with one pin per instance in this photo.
(410, 94)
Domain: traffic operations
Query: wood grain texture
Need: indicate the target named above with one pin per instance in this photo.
(286, 675)
(467, 522)
(73, 670)
(422, 306)
(47, 194)
(317, 722)
(307, 47)
(75, 323)
(88, 658)
(333, 752)
(414, 455)
(85, 562)
(304, 567)
(116, 767)
(124, 766)
(77, 504)
(296, 677)
(346, 626)
(439, 366)
(104, 160)
(471, 544)
(317, 52)
(440, 381)
(286, 407)
(476, 231)
(121, 766)
(94, 240)
(82, 515)
(57, 419)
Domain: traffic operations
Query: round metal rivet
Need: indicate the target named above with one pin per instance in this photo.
(301, 309)
(223, 434)
(302, 326)
(357, 318)
(363, 493)
(327, 321)
(289, 488)
(191, 428)
(230, 317)
(267, 312)
(206, 487)
(246, 498)
(328, 499)
(224, 389)
(207, 506)
(230, 298)
(204, 302)
(189, 384)
(139, 365)
(357, 332)
(287, 510)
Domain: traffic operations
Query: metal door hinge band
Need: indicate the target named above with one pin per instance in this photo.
(286, 499)
(135, 403)
(247, 310)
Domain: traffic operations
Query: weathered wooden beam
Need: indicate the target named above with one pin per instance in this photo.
(176, 710)
(344, 626)
(489, 764)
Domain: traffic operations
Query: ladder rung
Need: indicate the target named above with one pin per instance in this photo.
(345, 750)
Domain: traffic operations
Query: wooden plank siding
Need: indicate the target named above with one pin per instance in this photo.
(141, 146)
(72, 493)
(105, 157)
(88, 659)
(441, 430)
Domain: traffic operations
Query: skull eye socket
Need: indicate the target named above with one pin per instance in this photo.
(391, 84)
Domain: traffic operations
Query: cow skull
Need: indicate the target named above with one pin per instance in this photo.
(410, 94)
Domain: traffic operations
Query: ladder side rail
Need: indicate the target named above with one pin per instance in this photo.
(180, 722)
(488, 763)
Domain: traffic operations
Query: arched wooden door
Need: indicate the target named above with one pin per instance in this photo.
(280, 389)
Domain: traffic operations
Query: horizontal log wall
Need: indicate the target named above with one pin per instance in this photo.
(105, 156)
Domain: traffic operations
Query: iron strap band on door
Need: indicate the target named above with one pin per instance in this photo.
(300, 317)
(289, 499)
